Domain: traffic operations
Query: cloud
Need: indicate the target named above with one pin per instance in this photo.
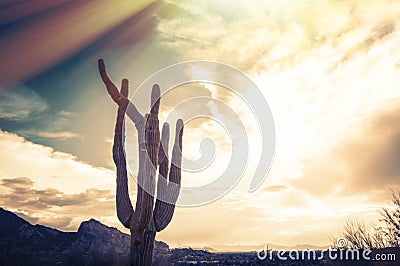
(58, 135)
(275, 188)
(62, 222)
(19, 157)
(16, 182)
(265, 34)
(18, 102)
(26, 217)
(23, 196)
(64, 113)
(365, 163)
(22, 110)
(328, 70)
(373, 155)
(79, 192)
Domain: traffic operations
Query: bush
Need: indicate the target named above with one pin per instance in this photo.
(358, 236)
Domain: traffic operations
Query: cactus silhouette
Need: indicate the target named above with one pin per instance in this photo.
(147, 218)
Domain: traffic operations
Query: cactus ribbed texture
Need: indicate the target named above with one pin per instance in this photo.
(144, 222)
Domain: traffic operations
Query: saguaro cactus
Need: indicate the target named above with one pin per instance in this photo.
(148, 218)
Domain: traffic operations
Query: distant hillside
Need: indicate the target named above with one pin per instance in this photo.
(22, 243)
(248, 248)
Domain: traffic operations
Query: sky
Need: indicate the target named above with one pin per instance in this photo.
(329, 71)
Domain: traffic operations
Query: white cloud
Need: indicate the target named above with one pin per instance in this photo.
(68, 190)
(18, 102)
(42, 164)
(58, 135)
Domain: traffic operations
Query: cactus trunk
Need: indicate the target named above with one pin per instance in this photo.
(142, 250)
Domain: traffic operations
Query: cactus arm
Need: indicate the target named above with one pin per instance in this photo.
(119, 98)
(163, 160)
(162, 182)
(123, 202)
(164, 209)
(111, 88)
(176, 163)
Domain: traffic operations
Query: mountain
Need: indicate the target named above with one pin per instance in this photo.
(22, 243)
